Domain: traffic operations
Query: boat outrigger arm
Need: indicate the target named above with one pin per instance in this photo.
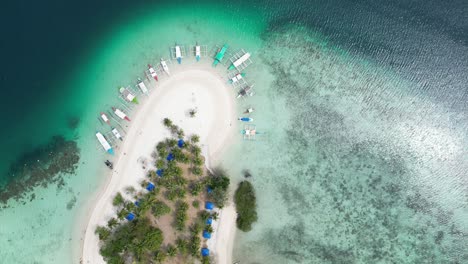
(219, 56)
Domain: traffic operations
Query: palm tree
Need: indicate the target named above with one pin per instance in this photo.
(167, 122)
(171, 250)
(118, 199)
(195, 139)
(112, 223)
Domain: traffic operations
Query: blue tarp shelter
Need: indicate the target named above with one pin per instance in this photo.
(209, 206)
(208, 189)
(137, 203)
(209, 221)
(206, 234)
(205, 252)
(170, 157)
(180, 143)
(130, 216)
(160, 172)
(150, 186)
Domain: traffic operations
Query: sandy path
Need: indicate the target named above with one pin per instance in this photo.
(202, 88)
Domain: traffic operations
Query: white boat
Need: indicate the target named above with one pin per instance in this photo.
(142, 86)
(116, 133)
(105, 118)
(164, 65)
(178, 54)
(127, 95)
(239, 61)
(197, 52)
(104, 143)
(120, 114)
(236, 78)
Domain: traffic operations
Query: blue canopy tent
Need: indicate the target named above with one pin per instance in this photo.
(209, 206)
(208, 189)
(170, 157)
(209, 221)
(180, 143)
(150, 186)
(137, 203)
(206, 234)
(205, 252)
(160, 172)
(130, 216)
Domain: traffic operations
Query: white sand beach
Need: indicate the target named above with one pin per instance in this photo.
(199, 87)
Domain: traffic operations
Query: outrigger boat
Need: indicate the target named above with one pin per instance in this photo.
(105, 118)
(152, 72)
(142, 86)
(127, 95)
(104, 143)
(178, 54)
(236, 78)
(219, 56)
(197, 52)
(164, 66)
(247, 90)
(245, 119)
(116, 133)
(239, 61)
(249, 132)
(120, 114)
(249, 110)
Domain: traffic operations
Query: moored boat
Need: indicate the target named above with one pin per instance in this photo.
(247, 90)
(105, 118)
(127, 95)
(197, 52)
(152, 72)
(107, 147)
(239, 61)
(220, 55)
(236, 78)
(120, 114)
(178, 54)
(165, 67)
(142, 86)
(116, 133)
(245, 119)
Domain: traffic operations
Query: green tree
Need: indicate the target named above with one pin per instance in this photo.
(118, 200)
(159, 209)
(112, 223)
(181, 245)
(102, 232)
(246, 206)
(167, 122)
(195, 139)
(171, 250)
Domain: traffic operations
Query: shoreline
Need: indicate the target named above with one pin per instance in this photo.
(196, 85)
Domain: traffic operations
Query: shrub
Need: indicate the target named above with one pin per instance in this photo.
(181, 245)
(195, 139)
(181, 216)
(171, 250)
(160, 163)
(160, 208)
(197, 171)
(194, 246)
(112, 223)
(246, 206)
(196, 204)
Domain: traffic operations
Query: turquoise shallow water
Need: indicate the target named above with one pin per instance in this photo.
(363, 109)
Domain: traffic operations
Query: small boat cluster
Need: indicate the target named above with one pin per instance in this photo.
(129, 95)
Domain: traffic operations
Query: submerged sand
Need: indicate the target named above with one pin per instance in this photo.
(199, 87)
